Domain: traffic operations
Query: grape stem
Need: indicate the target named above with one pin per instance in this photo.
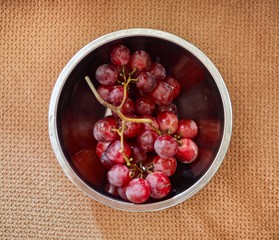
(117, 110)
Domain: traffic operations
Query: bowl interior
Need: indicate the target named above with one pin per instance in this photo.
(78, 110)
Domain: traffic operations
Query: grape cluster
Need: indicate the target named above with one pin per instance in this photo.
(141, 142)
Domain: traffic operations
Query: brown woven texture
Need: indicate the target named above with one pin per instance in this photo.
(38, 38)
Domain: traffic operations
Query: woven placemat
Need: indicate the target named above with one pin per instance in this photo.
(38, 38)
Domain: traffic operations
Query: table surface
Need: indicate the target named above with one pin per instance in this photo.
(38, 38)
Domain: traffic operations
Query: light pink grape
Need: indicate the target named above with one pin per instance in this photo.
(165, 146)
(138, 190)
(118, 175)
(159, 183)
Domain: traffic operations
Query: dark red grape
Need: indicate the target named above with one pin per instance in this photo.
(128, 107)
(104, 129)
(167, 108)
(140, 60)
(120, 55)
(187, 151)
(146, 139)
(106, 74)
(158, 71)
(139, 94)
(175, 84)
(114, 154)
(138, 190)
(106, 162)
(159, 184)
(146, 82)
(145, 106)
(118, 175)
(162, 94)
(168, 122)
(165, 146)
(165, 165)
(187, 128)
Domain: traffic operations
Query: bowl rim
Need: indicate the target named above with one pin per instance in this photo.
(118, 204)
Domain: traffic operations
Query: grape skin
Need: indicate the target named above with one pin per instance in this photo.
(165, 146)
(138, 190)
(159, 184)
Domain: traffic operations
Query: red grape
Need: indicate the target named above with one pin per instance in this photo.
(159, 184)
(137, 153)
(167, 108)
(165, 146)
(114, 154)
(122, 192)
(145, 106)
(150, 126)
(138, 190)
(103, 91)
(101, 147)
(187, 128)
(165, 165)
(105, 161)
(118, 175)
(128, 107)
(162, 94)
(104, 129)
(146, 82)
(176, 86)
(139, 94)
(132, 129)
(116, 95)
(120, 55)
(140, 60)
(187, 151)
(168, 122)
(158, 71)
(146, 139)
(106, 74)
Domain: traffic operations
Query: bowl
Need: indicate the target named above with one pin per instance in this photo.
(73, 111)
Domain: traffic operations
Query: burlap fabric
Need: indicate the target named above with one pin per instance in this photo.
(38, 38)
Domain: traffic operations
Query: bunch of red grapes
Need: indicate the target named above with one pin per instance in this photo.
(142, 140)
